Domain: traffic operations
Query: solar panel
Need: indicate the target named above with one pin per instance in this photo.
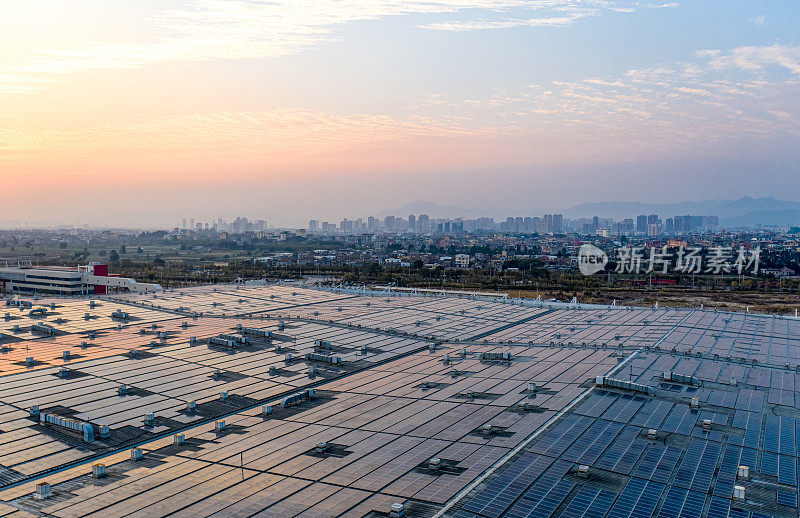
(787, 498)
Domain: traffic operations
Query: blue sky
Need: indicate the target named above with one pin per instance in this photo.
(334, 108)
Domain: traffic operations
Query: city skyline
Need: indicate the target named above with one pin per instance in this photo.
(126, 112)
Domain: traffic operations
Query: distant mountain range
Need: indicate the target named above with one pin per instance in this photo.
(744, 212)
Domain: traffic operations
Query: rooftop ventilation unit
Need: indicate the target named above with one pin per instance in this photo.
(694, 403)
(223, 396)
(298, 398)
(254, 332)
(323, 344)
(603, 381)
(435, 463)
(42, 491)
(397, 510)
(190, 406)
(215, 340)
(583, 471)
(219, 426)
(680, 378)
(122, 390)
(266, 410)
(74, 425)
(178, 439)
(738, 493)
(651, 434)
(65, 355)
(321, 447)
(98, 470)
(105, 431)
(136, 454)
(120, 315)
(495, 356)
(43, 328)
(37, 311)
(235, 338)
(316, 357)
(149, 419)
(743, 473)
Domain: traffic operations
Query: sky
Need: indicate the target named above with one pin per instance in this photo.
(139, 113)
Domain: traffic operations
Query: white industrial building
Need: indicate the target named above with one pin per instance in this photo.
(80, 280)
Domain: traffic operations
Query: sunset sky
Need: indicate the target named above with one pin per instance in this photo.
(141, 112)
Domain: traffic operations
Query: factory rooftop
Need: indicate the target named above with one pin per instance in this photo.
(280, 400)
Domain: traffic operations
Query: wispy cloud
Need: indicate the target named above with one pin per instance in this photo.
(755, 58)
(238, 29)
(550, 13)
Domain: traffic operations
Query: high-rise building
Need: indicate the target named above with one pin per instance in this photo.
(558, 223)
(313, 225)
(641, 224)
(548, 223)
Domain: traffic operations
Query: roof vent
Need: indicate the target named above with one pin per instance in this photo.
(98, 470)
(738, 493)
(397, 510)
(65, 355)
(651, 434)
(136, 454)
(149, 419)
(219, 426)
(178, 439)
(42, 491)
(321, 447)
(743, 473)
(190, 406)
(435, 463)
(266, 410)
(583, 470)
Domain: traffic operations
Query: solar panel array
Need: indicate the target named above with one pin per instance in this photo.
(414, 383)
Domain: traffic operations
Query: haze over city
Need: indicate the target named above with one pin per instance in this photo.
(139, 113)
